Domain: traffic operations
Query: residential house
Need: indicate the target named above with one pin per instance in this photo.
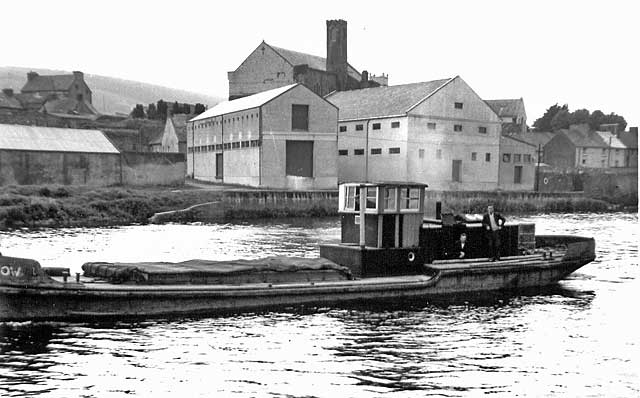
(174, 136)
(517, 170)
(280, 138)
(578, 147)
(269, 67)
(630, 140)
(439, 132)
(60, 86)
(512, 115)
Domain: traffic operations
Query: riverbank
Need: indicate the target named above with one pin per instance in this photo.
(65, 206)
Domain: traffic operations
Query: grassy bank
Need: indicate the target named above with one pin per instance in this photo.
(63, 206)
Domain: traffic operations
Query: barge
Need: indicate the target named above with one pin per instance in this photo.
(387, 251)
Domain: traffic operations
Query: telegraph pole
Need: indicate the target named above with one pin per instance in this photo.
(539, 152)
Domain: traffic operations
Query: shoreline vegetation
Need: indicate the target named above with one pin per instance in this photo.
(72, 206)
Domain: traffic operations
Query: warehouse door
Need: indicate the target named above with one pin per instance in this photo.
(219, 166)
(299, 158)
(455, 170)
(517, 175)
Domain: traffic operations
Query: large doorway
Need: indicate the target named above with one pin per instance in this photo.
(299, 158)
(517, 175)
(456, 168)
(219, 166)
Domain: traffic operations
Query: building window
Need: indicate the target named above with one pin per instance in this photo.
(389, 198)
(372, 198)
(458, 105)
(527, 158)
(376, 151)
(584, 161)
(457, 127)
(517, 158)
(394, 150)
(343, 129)
(456, 170)
(395, 125)
(343, 152)
(482, 130)
(300, 117)
(517, 175)
(376, 126)
(359, 127)
(438, 153)
(474, 156)
(487, 157)
(358, 151)
(431, 126)
(409, 198)
(506, 157)
(299, 158)
(421, 153)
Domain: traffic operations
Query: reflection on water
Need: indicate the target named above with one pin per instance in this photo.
(575, 339)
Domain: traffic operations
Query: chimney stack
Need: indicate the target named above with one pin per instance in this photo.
(8, 92)
(78, 74)
(337, 51)
(31, 75)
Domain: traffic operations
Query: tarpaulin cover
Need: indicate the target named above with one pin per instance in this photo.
(205, 271)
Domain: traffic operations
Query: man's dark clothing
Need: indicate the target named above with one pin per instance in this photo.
(491, 229)
(458, 248)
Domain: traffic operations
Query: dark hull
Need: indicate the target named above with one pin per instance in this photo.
(71, 300)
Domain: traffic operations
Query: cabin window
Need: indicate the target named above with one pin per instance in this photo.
(352, 198)
(300, 117)
(389, 198)
(395, 125)
(409, 198)
(376, 126)
(372, 198)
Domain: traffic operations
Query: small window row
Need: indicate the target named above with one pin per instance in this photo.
(374, 151)
(374, 126)
(517, 158)
(211, 123)
(225, 146)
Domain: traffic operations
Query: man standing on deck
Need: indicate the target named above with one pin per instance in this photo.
(492, 224)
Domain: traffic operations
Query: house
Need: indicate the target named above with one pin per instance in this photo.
(438, 132)
(536, 138)
(174, 136)
(630, 140)
(269, 67)
(512, 115)
(47, 155)
(517, 170)
(579, 147)
(280, 138)
(67, 86)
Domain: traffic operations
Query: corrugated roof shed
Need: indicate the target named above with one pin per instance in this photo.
(244, 103)
(382, 101)
(31, 138)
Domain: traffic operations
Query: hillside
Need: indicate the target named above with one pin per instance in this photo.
(111, 95)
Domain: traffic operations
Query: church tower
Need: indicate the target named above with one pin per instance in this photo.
(337, 51)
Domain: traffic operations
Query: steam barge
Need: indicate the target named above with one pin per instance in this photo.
(387, 251)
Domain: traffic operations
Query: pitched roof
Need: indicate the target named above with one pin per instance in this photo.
(32, 100)
(535, 138)
(314, 61)
(10, 102)
(69, 106)
(584, 139)
(505, 107)
(515, 138)
(241, 104)
(180, 126)
(611, 140)
(31, 138)
(382, 101)
(49, 83)
(630, 139)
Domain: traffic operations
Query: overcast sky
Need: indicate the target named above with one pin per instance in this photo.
(583, 53)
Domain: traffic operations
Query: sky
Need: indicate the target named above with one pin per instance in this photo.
(582, 53)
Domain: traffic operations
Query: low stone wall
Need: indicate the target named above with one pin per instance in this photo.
(153, 168)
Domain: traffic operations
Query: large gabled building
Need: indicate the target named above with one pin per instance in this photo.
(269, 67)
(512, 115)
(438, 132)
(281, 138)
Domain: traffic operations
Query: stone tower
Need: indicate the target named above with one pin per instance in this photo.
(337, 51)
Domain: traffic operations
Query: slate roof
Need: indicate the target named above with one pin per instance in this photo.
(244, 103)
(535, 138)
(505, 107)
(611, 140)
(10, 102)
(52, 139)
(314, 61)
(49, 83)
(32, 100)
(629, 139)
(69, 106)
(180, 126)
(584, 139)
(382, 101)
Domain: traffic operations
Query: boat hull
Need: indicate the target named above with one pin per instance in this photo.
(90, 300)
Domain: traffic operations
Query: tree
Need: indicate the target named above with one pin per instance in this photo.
(561, 120)
(138, 112)
(176, 108)
(544, 122)
(596, 119)
(186, 109)
(199, 108)
(152, 112)
(613, 118)
(580, 116)
(162, 108)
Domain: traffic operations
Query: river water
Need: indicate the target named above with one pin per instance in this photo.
(578, 339)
